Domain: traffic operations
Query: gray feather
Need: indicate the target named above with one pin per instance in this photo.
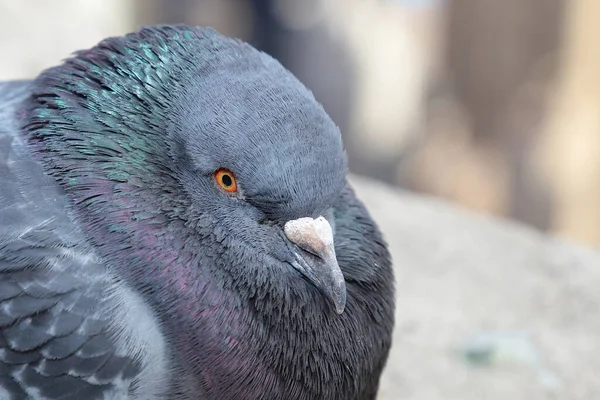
(56, 340)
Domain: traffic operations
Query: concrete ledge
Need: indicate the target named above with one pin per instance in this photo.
(486, 309)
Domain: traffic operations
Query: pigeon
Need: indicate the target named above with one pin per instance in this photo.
(176, 222)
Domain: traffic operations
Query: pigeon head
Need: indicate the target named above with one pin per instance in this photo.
(258, 153)
(174, 126)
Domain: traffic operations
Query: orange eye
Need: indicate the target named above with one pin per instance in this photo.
(226, 180)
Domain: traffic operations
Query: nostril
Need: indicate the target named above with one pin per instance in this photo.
(267, 222)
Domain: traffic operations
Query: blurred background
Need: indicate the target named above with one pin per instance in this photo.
(493, 105)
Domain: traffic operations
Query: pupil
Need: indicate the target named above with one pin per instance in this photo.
(226, 179)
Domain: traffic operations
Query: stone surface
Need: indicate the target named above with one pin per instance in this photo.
(486, 309)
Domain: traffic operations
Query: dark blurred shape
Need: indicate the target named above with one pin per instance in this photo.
(494, 47)
(500, 63)
(497, 51)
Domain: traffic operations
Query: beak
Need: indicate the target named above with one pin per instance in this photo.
(318, 262)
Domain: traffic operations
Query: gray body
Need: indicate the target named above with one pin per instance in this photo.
(64, 319)
(129, 271)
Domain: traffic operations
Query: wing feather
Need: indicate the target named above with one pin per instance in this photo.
(55, 341)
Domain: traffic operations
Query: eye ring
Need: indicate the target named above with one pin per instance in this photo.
(226, 180)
